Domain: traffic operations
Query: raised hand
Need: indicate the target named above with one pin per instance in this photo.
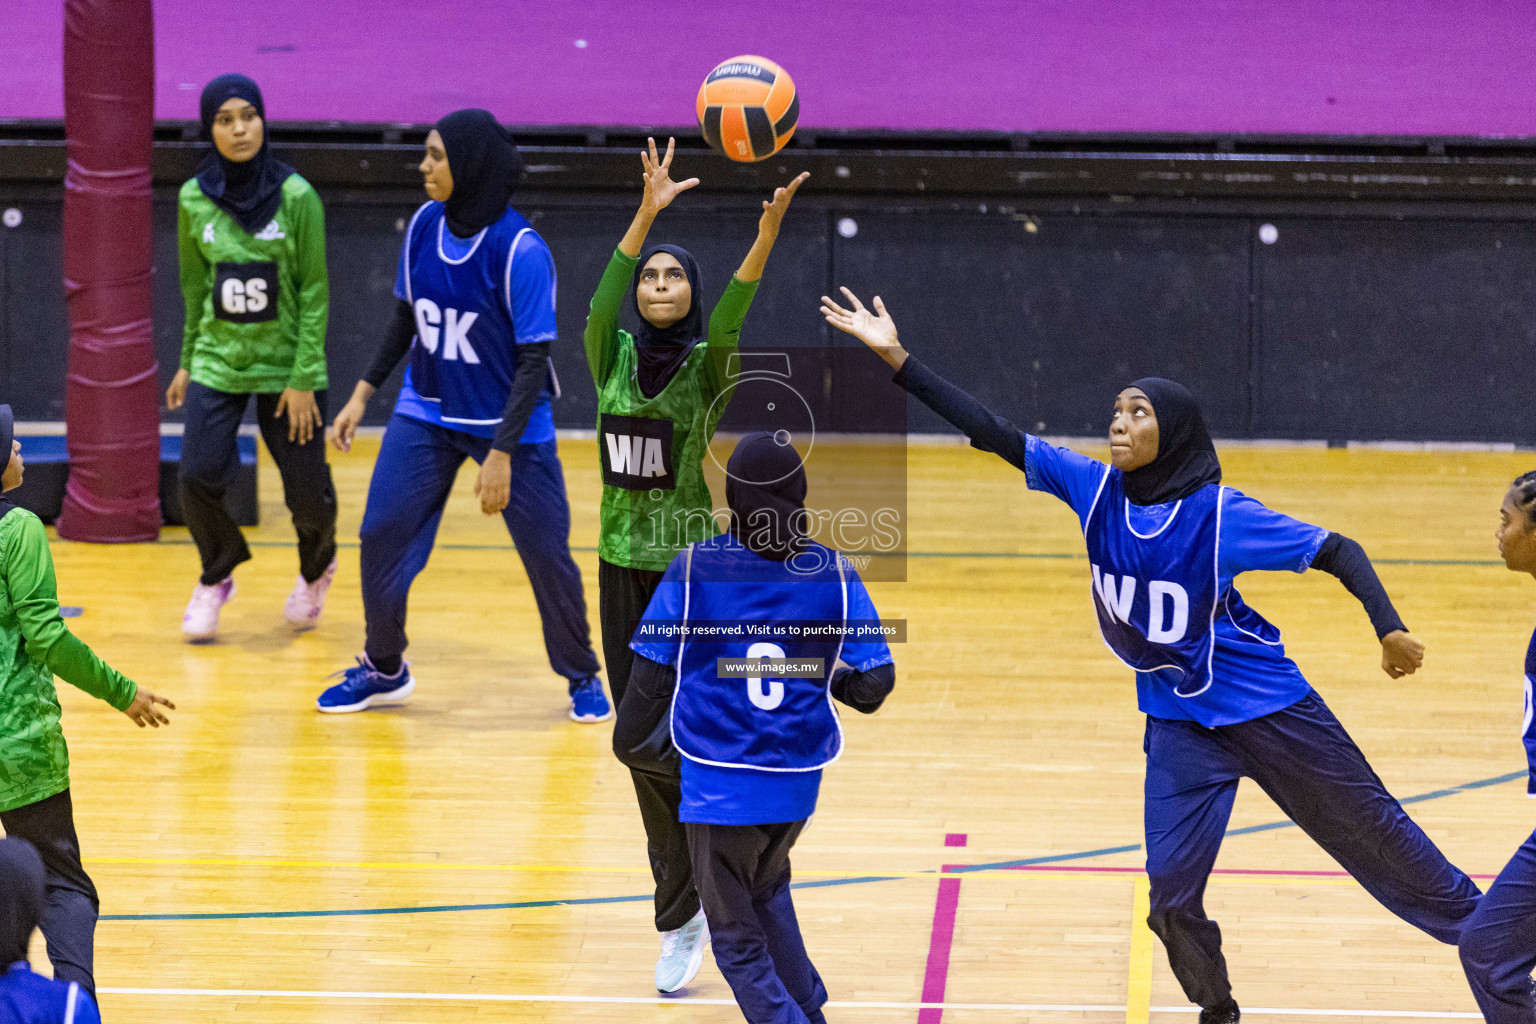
(877, 329)
(775, 208)
(660, 189)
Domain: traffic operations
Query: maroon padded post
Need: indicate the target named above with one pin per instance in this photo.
(111, 398)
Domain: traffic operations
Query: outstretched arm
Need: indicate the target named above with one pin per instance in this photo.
(1401, 652)
(751, 268)
(987, 431)
(658, 194)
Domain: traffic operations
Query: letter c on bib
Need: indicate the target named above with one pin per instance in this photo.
(1159, 629)
(772, 695)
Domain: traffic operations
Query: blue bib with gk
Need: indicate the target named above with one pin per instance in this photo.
(783, 725)
(461, 291)
(1154, 582)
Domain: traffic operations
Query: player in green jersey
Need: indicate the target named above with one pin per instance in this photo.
(251, 240)
(659, 401)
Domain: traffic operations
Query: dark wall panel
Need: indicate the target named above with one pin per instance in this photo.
(1380, 329)
(1046, 325)
(36, 322)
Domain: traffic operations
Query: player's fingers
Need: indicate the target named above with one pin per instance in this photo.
(684, 185)
(794, 186)
(671, 144)
(879, 305)
(858, 307)
(827, 303)
(161, 700)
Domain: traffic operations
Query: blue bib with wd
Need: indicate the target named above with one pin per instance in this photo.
(1154, 582)
(1528, 725)
(738, 605)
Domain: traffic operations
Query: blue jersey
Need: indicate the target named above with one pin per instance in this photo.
(28, 998)
(754, 748)
(1527, 726)
(475, 300)
(1162, 581)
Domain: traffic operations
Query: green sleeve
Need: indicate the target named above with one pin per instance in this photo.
(602, 334)
(194, 282)
(725, 334)
(34, 596)
(309, 371)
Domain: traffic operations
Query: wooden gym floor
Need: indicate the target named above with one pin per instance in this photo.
(477, 856)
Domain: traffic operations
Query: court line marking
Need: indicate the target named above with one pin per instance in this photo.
(1026, 555)
(941, 939)
(496, 997)
(1138, 988)
(856, 880)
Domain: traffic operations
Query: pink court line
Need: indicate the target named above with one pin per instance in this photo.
(941, 939)
(1218, 871)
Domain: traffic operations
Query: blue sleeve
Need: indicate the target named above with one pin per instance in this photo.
(1072, 477)
(863, 655)
(85, 1009)
(665, 609)
(1257, 538)
(529, 289)
(401, 292)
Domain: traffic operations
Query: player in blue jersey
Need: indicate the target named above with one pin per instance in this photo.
(25, 997)
(1165, 543)
(753, 747)
(1498, 942)
(476, 286)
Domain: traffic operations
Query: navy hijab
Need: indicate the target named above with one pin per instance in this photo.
(1186, 457)
(661, 351)
(249, 191)
(765, 490)
(21, 898)
(7, 435)
(485, 165)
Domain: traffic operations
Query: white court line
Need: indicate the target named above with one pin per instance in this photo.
(493, 997)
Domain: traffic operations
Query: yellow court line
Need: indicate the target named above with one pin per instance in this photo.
(1138, 989)
(1262, 878)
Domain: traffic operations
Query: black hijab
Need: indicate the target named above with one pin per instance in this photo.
(1186, 459)
(765, 489)
(7, 435)
(249, 191)
(21, 898)
(485, 165)
(661, 351)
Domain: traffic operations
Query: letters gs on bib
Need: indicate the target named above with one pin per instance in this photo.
(245, 293)
(636, 452)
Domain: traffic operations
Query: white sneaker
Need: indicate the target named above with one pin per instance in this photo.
(200, 622)
(682, 953)
(308, 599)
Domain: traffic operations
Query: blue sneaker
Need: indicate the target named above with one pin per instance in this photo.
(363, 686)
(588, 701)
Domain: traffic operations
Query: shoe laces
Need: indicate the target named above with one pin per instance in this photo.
(355, 674)
(669, 941)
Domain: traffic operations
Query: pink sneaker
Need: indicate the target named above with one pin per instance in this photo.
(308, 599)
(201, 621)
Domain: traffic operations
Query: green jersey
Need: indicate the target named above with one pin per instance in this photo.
(655, 499)
(34, 645)
(256, 304)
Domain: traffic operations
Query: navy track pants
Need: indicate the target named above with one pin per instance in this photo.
(1307, 764)
(411, 480)
(742, 872)
(1498, 942)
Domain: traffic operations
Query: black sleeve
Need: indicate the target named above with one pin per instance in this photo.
(527, 384)
(987, 431)
(864, 691)
(1339, 556)
(397, 342)
(642, 730)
